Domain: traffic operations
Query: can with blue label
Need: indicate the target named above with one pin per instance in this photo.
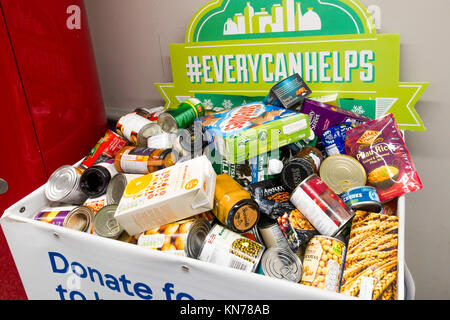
(362, 198)
(334, 138)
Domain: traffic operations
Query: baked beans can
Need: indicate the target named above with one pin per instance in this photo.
(230, 249)
(271, 233)
(117, 185)
(106, 148)
(281, 263)
(363, 198)
(323, 263)
(182, 237)
(73, 217)
(182, 117)
(137, 129)
(327, 213)
(64, 186)
(105, 225)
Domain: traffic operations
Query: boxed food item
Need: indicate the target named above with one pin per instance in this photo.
(370, 270)
(167, 195)
(253, 129)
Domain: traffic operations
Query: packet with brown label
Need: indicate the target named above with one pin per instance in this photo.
(379, 146)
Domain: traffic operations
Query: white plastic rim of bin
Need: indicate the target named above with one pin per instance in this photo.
(410, 287)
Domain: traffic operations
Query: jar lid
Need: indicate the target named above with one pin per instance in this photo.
(297, 170)
(342, 172)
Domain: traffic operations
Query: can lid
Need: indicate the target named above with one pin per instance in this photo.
(243, 216)
(296, 171)
(79, 219)
(281, 263)
(196, 237)
(342, 172)
(105, 225)
(167, 122)
(61, 183)
(116, 188)
(149, 130)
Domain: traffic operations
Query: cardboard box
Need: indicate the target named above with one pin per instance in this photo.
(167, 195)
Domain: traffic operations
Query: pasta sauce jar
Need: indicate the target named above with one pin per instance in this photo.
(139, 160)
(233, 205)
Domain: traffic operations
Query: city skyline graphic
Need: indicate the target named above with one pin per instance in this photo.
(284, 17)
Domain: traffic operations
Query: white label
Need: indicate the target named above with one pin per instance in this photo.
(132, 123)
(110, 167)
(132, 163)
(295, 126)
(366, 288)
(315, 215)
(332, 279)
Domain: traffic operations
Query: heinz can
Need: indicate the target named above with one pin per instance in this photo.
(183, 237)
(64, 186)
(323, 263)
(105, 225)
(106, 148)
(230, 249)
(182, 117)
(117, 185)
(327, 213)
(281, 263)
(137, 129)
(363, 198)
(73, 217)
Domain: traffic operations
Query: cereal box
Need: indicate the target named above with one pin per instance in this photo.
(167, 195)
(253, 129)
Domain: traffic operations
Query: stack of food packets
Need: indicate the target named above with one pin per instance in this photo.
(290, 187)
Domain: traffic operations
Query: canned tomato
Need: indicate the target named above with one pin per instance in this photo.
(105, 225)
(281, 263)
(183, 237)
(72, 217)
(363, 198)
(137, 129)
(106, 148)
(230, 249)
(117, 186)
(233, 205)
(64, 186)
(321, 206)
(323, 263)
(182, 117)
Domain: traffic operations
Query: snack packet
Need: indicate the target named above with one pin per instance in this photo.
(378, 145)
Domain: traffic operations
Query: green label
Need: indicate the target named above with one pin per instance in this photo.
(243, 48)
(367, 108)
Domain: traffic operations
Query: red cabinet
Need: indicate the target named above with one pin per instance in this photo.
(51, 106)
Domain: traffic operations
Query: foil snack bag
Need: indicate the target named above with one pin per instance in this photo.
(378, 145)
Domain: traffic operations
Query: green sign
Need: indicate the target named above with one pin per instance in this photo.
(243, 48)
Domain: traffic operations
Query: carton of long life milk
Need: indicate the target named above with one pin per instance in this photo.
(167, 195)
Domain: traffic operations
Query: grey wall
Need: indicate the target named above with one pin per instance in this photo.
(131, 43)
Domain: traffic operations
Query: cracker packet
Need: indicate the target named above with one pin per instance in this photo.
(379, 146)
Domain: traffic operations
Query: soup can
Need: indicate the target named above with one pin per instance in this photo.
(363, 198)
(323, 263)
(230, 249)
(182, 117)
(184, 237)
(64, 186)
(117, 186)
(327, 213)
(281, 263)
(73, 217)
(105, 225)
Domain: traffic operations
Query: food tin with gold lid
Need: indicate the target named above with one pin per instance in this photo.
(105, 225)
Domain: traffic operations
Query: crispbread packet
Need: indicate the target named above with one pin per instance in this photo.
(378, 145)
(370, 270)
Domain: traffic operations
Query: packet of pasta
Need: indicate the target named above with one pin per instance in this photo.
(378, 145)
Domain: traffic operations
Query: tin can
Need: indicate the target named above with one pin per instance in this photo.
(182, 117)
(137, 129)
(323, 263)
(334, 138)
(184, 237)
(230, 249)
(151, 114)
(73, 217)
(342, 172)
(271, 233)
(94, 180)
(233, 205)
(191, 138)
(105, 225)
(64, 186)
(117, 186)
(313, 155)
(96, 203)
(106, 148)
(321, 206)
(140, 160)
(281, 263)
(254, 234)
(363, 198)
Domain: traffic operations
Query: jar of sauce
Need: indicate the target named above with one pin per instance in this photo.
(140, 160)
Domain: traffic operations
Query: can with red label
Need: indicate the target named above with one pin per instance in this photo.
(321, 206)
(106, 148)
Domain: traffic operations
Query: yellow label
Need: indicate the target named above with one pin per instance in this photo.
(311, 260)
(138, 185)
(191, 184)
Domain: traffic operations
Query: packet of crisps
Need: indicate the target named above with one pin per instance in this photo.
(378, 145)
